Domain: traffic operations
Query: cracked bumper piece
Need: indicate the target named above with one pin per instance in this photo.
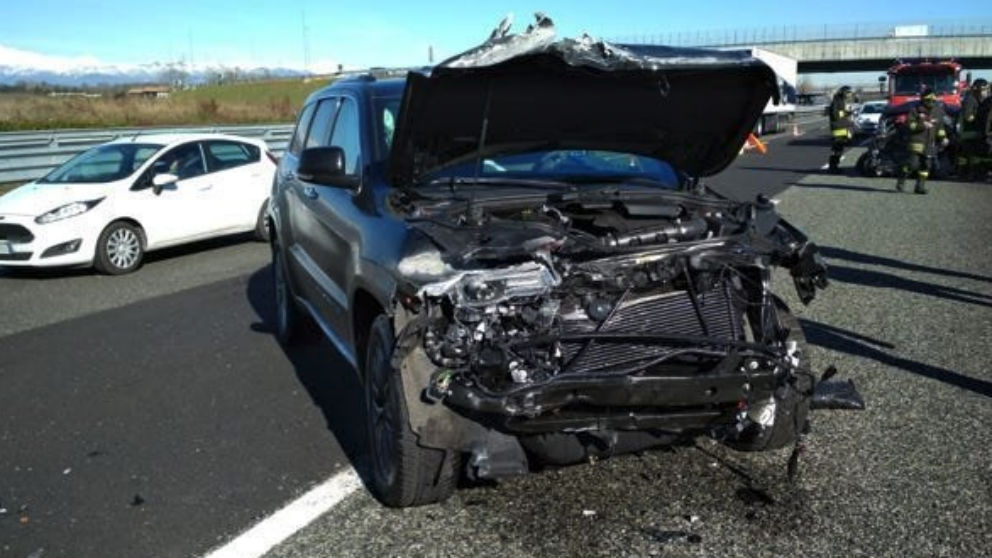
(671, 403)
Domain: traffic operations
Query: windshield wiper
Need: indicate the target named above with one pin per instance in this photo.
(633, 179)
(454, 182)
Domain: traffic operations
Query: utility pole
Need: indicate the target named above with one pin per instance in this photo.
(189, 40)
(306, 42)
(430, 55)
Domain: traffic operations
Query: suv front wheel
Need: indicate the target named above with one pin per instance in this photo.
(404, 473)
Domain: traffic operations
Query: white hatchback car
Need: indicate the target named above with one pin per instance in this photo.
(109, 205)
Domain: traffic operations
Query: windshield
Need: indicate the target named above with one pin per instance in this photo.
(565, 165)
(911, 84)
(106, 163)
(873, 108)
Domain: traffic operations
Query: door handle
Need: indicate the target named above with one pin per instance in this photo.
(310, 192)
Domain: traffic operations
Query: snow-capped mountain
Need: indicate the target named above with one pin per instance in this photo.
(29, 67)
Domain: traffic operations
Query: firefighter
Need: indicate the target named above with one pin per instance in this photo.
(924, 128)
(841, 122)
(985, 126)
(973, 147)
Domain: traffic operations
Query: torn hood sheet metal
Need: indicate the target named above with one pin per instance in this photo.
(690, 107)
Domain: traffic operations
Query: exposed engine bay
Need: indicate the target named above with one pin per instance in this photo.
(561, 305)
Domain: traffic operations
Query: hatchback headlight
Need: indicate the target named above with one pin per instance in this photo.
(68, 210)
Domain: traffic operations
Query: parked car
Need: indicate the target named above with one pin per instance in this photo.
(110, 205)
(520, 279)
(867, 117)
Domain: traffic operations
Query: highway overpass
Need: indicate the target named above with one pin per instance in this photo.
(851, 47)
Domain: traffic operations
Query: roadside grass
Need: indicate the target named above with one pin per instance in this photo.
(237, 103)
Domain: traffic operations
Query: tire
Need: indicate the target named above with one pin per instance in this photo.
(791, 401)
(863, 164)
(290, 321)
(120, 249)
(403, 473)
(261, 232)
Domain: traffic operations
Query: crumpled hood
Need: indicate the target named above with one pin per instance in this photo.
(690, 107)
(35, 199)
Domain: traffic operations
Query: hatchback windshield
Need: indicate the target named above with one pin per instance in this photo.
(103, 164)
(873, 108)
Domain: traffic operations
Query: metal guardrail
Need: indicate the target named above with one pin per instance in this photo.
(25, 156)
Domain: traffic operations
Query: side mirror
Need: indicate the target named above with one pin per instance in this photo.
(325, 166)
(160, 181)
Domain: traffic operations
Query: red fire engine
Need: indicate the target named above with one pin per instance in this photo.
(943, 78)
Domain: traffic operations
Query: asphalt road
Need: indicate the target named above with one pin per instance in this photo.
(154, 414)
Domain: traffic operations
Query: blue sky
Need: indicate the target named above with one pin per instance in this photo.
(393, 33)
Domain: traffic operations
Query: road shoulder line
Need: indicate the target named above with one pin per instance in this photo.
(293, 517)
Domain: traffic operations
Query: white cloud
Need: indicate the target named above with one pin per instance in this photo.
(43, 62)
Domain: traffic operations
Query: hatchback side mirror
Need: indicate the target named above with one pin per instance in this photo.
(325, 166)
(161, 180)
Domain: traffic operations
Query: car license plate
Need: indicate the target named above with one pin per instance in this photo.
(6, 248)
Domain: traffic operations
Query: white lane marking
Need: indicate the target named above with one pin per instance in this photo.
(299, 513)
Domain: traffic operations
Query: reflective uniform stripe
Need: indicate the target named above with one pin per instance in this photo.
(917, 147)
(923, 174)
(840, 133)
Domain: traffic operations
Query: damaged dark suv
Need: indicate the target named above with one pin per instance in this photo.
(515, 251)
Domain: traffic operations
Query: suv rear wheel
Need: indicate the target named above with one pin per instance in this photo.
(289, 320)
(403, 472)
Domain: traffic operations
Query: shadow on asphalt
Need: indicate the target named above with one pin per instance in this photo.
(323, 372)
(152, 257)
(870, 278)
(816, 141)
(847, 188)
(835, 253)
(844, 341)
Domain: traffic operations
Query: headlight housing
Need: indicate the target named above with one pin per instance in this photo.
(66, 211)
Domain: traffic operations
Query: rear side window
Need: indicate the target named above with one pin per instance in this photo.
(223, 155)
(347, 136)
(323, 121)
(302, 126)
(185, 161)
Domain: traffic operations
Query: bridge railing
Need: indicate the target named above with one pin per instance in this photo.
(806, 33)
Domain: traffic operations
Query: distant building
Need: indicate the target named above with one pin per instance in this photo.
(150, 91)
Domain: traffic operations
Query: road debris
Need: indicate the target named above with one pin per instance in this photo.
(137, 500)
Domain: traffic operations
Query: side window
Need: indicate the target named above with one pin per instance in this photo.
(223, 155)
(323, 121)
(347, 136)
(185, 161)
(302, 125)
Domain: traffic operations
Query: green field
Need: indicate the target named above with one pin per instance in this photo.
(255, 93)
(235, 103)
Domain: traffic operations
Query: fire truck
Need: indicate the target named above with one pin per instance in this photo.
(943, 78)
